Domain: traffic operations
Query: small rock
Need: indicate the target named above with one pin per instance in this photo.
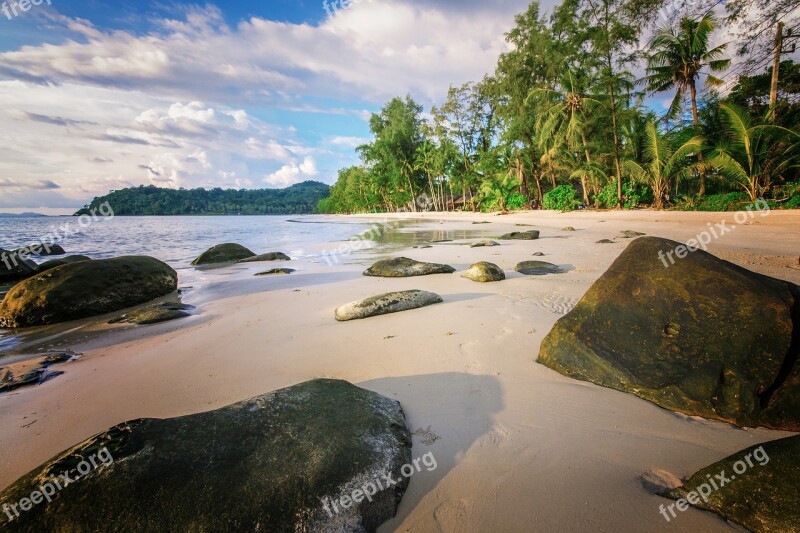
(538, 254)
(537, 268)
(276, 271)
(568, 228)
(403, 267)
(605, 241)
(263, 258)
(155, 314)
(629, 234)
(482, 222)
(424, 246)
(521, 236)
(484, 243)
(223, 253)
(484, 272)
(383, 304)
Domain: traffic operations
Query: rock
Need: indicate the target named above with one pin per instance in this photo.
(271, 463)
(484, 272)
(42, 249)
(403, 267)
(154, 314)
(276, 271)
(605, 241)
(424, 246)
(272, 256)
(53, 263)
(568, 228)
(482, 222)
(537, 268)
(629, 234)
(33, 371)
(84, 289)
(223, 253)
(442, 240)
(764, 497)
(521, 235)
(480, 244)
(383, 304)
(14, 268)
(677, 337)
(538, 254)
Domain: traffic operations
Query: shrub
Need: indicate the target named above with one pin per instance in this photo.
(562, 198)
(634, 194)
(516, 201)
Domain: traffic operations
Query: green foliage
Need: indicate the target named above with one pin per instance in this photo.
(633, 195)
(731, 201)
(562, 198)
(516, 201)
(138, 201)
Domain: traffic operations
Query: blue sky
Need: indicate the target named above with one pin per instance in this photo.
(100, 95)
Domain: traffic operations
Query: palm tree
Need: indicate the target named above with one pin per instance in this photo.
(755, 152)
(678, 58)
(663, 163)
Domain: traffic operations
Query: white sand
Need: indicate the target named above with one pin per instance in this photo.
(521, 447)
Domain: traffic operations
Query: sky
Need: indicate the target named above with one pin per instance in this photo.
(97, 96)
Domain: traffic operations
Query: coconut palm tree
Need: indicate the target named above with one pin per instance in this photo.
(755, 151)
(678, 59)
(663, 163)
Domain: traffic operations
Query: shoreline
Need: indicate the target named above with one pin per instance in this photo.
(518, 443)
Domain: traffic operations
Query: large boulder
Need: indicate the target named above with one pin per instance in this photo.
(383, 304)
(403, 267)
(53, 263)
(86, 288)
(14, 268)
(271, 256)
(759, 488)
(298, 459)
(223, 253)
(701, 336)
(43, 249)
(484, 272)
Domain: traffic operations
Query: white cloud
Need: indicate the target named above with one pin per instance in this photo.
(293, 173)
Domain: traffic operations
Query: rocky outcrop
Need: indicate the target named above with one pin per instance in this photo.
(701, 336)
(53, 263)
(43, 249)
(403, 267)
(297, 459)
(15, 268)
(86, 288)
(484, 272)
(383, 304)
(223, 253)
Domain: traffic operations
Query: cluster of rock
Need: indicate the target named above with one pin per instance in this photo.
(235, 253)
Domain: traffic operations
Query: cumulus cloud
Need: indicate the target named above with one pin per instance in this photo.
(293, 173)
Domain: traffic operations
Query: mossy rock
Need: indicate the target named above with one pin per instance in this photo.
(537, 268)
(392, 302)
(762, 492)
(86, 288)
(155, 314)
(484, 272)
(14, 268)
(531, 235)
(702, 337)
(403, 267)
(568, 228)
(223, 253)
(481, 244)
(271, 256)
(53, 263)
(276, 272)
(630, 234)
(43, 249)
(606, 241)
(270, 463)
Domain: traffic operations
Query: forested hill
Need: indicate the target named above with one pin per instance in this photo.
(141, 201)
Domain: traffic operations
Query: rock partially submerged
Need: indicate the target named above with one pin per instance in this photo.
(276, 271)
(84, 289)
(537, 268)
(271, 463)
(481, 244)
(762, 492)
(223, 253)
(271, 256)
(155, 314)
(531, 235)
(33, 371)
(678, 337)
(15, 268)
(484, 272)
(383, 304)
(53, 263)
(403, 267)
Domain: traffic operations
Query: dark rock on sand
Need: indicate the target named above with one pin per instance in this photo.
(763, 493)
(32, 372)
(14, 268)
(270, 463)
(53, 263)
(263, 258)
(537, 268)
(482, 222)
(154, 314)
(223, 253)
(43, 249)
(605, 241)
(521, 235)
(703, 337)
(484, 272)
(403, 267)
(383, 304)
(629, 234)
(568, 228)
(480, 244)
(86, 288)
(276, 271)
(538, 254)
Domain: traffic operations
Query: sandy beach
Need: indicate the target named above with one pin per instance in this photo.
(518, 446)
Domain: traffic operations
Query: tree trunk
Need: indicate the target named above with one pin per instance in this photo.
(696, 120)
(617, 166)
(776, 65)
(583, 175)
